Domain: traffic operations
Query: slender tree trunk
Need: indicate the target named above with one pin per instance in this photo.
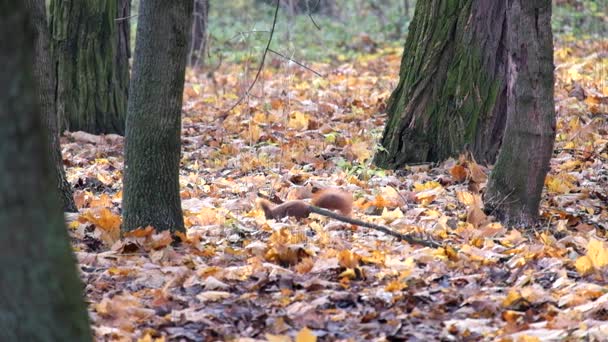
(92, 73)
(123, 52)
(516, 183)
(43, 72)
(152, 149)
(451, 94)
(40, 293)
(198, 43)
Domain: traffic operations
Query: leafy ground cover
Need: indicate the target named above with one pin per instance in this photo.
(237, 275)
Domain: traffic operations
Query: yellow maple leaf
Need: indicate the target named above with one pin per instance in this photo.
(557, 185)
(597, 253)
(583, 265)
(418, 187)
(391, 215)
(512, 297)
(298, 120)
(465, 197)
(277, 338)
(305, 335)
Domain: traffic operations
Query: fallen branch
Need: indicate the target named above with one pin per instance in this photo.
(405, 237)
(298, 63)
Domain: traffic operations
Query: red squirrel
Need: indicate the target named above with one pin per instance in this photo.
(332, 199)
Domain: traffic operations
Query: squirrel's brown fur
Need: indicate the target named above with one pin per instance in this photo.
(332, 199)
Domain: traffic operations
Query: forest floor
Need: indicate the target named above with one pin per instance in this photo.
(240, 276)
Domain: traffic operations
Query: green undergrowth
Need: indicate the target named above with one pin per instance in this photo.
(239, 29)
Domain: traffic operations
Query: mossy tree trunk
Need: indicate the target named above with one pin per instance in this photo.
(152, 147)
(91, 61)
(45, 78)
(516, 183)
(198, 43)
(40, 293)
(451, 94)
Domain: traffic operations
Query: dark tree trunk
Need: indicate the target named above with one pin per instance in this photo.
(152, 148)
(90, 52)
(40, 293)
(451, 94)
(198, 45)
(45, 78)
(123, 52)
(516, 183)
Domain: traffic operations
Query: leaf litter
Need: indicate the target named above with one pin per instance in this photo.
(236, 275)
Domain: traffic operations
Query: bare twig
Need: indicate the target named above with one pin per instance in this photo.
(242, 33)
(298, 63)
(257, 75)
(310, 15)
(405, 237)
(126, 18)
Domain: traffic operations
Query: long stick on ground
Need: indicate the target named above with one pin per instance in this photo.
(405, 237)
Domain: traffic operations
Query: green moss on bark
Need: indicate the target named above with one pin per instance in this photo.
(451, 87)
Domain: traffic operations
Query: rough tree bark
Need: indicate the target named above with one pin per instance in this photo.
(198, 43)
(516, 183)
(451, 94)
(40, 293)
(45, 78)
(152, 148)
(91, 61)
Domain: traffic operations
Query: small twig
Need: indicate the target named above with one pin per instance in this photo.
(257, 75)
(313, 21)
(311, 18)
(242, 33)
(497, 206)
(405, 237)
(125, 18)
(298, 63)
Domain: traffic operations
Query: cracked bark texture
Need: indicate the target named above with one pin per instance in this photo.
(40, 293)
(451, 94)
(45, 79)
(152, 146)
(516, 183)
(90, 53)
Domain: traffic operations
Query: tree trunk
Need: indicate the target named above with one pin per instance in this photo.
(198, 45)
(92, 73)
(451, 94)
(152, 148)
(40, 293)
(45, 78)
(123, 53)
(516, 183)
